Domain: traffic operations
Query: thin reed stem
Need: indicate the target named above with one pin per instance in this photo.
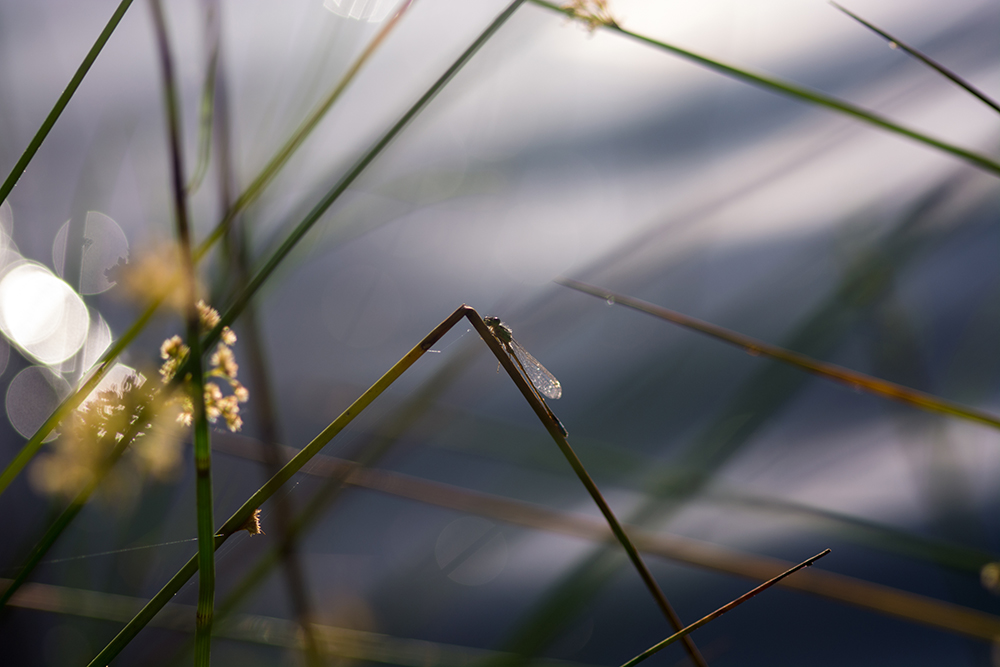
(720, 611)
(941, 69)
(202, 445)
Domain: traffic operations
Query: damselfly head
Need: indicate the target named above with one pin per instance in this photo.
(499, 329)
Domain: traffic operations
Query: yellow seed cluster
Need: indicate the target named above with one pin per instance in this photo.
(224, 368)
(592, 13)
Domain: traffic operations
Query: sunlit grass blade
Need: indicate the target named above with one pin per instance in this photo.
(64, 98)
(196, 385)
(853, 379)
(802, 94)
(557, 431)
(944, 71)
(720, 611)
(293, 238)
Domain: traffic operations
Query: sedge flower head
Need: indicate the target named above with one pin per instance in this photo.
(222, 373)
(591, 13)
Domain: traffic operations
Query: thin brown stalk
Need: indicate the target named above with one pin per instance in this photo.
(720, 611)
(941, 69)
(853, 379)
(910, 607)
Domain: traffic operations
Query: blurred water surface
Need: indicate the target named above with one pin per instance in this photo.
(555, 152)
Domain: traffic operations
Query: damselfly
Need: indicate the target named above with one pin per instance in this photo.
(544, 383)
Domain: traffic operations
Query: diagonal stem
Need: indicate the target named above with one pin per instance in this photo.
(853, 379)
(196, 386)
(721, 610)
(556, 430)
(246, 511)
(941, 69)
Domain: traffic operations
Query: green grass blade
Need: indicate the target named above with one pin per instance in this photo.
(941, 69)
(246, 511)
(853, 379)
(206, 110)
(63, 100)
(803, 94)
(720, 611)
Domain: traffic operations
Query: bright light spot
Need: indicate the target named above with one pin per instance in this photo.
(471, 551)
(41, 314)
(32, 396)
(373, 11)
(102, 246)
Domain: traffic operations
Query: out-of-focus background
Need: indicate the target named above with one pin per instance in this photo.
(556, 152)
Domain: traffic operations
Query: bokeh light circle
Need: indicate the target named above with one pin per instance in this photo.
(41, 314)
(32, 396)
(97, 342)
(103, 246)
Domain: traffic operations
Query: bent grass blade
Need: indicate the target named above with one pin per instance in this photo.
(238, 520)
